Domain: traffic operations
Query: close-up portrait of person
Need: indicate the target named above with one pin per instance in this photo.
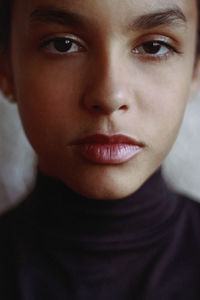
(101, 87)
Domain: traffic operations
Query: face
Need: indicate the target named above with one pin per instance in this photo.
(101, 86)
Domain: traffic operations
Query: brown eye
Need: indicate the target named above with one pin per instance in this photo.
(154, 49)
(61, 45)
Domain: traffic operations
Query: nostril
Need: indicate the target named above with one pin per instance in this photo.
(99, 108)
(96, 107)
(123, 107)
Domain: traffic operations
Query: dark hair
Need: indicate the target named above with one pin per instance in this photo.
(5, 16)
(198, 41)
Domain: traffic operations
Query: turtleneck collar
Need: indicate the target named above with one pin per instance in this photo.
(138, 220)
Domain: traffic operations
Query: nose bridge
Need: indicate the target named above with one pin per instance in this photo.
(108, 88)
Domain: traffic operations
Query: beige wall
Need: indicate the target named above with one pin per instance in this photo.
(17, 161)
(182, 166)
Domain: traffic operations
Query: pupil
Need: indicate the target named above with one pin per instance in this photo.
(62, 45)
(152, 47)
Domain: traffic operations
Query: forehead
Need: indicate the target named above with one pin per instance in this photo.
(120, 9)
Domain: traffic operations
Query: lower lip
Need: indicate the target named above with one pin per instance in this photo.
(109, 154)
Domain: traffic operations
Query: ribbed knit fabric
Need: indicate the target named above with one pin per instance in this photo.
(60, 245)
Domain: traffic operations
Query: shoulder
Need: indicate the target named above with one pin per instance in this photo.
(8, 254)
(9, 221)
(187, 224)
(190, 208)
(7, 250)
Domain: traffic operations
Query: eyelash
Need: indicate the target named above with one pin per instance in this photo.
(67, 44)
(170, 50)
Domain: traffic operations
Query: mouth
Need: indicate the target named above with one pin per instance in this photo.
(109, 149)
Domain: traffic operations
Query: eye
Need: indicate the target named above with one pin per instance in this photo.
(62, 45)
(154, 49)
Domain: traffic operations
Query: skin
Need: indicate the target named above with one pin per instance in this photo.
(108, 85)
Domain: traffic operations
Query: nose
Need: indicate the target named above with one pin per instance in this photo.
(108, 90)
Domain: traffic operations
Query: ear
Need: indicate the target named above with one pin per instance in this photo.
(195, 85)
(6, 82)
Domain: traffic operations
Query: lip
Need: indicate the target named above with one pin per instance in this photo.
(109, 149)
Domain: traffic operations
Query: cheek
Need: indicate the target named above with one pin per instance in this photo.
(48, 103)
(165, 98)
(43, 92)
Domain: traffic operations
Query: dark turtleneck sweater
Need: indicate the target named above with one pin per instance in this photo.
(58, 245)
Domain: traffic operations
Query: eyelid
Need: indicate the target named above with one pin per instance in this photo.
(153, 37)
(71, 37)
(158, 41)
(160, 37)
(174, 47)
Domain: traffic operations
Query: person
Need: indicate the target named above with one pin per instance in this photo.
(101, 87)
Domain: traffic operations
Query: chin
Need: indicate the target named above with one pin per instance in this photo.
(102, 193)
(105, 187)
(104, 182)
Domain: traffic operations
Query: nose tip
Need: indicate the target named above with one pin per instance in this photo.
(107, 97)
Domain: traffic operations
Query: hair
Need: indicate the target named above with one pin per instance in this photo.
(5, 17)
(198, 39)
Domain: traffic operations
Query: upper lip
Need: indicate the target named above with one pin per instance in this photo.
(109, 140)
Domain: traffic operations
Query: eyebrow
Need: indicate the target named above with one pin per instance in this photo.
(171, 17)
(49, 14)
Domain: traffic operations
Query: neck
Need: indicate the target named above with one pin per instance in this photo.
(92, 223)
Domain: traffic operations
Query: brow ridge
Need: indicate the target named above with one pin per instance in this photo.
(172, 16)
(60, 16)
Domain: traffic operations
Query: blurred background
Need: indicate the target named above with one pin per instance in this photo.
(181, 169)
(17, 159)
